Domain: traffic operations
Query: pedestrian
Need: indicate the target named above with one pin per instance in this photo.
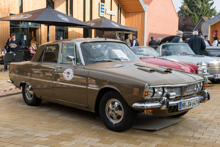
(117, 38)
(128, 42)
(134, 41)
(123, 38)
(201, 35)
(215, 42)
(153, 43)
(12, 45)
(32, 49)
(197, 44)
(158, 41)
(178, 37)
(33, 40)
(207, 39)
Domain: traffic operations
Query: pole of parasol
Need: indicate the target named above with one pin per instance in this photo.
(48, 32)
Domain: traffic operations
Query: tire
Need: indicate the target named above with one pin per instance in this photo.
(215, 81)
(29, 96)
(118, 118)
(180, 115)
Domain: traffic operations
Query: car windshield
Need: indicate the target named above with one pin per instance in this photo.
(176, 49)
(145, 51)
(96, 52)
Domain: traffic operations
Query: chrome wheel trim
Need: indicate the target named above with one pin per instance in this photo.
(29, 93)
(114, 111)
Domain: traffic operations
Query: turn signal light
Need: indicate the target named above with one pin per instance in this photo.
(136, 91)
(206, 84)
(146, 93)
(148, 111)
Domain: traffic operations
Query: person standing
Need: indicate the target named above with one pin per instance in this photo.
(12, 45)
(207, 39)
(215, 42)
(153, 43)
(134, 41)
(197, 44)
(178, 37)
(32, 49)
(128, 42)
(34, 41)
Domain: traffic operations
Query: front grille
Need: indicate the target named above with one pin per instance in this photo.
(214, 68)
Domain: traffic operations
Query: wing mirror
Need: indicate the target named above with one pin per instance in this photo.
(71, 58)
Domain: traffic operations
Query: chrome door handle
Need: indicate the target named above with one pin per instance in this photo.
(58, 67)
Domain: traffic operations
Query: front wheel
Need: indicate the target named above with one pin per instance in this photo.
(29, 96)
(116, 113)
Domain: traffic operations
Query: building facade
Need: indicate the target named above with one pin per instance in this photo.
(129, 13)
(147, 18)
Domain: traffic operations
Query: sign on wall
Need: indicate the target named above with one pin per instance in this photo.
(102, 10)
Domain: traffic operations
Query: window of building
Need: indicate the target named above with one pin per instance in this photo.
(61, 33)
(71, 7)
(102, 1)
(20, 6)
(118, 14)
(67, 5)
(50, 3)
(111, 10)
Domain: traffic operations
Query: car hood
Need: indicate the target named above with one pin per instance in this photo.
(167, 63)
(191, 58)
(144, 72)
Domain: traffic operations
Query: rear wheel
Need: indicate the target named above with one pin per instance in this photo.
(116, 113)
(215, 81)
(29, 96)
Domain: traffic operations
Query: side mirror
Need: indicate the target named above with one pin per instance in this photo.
(71, 58)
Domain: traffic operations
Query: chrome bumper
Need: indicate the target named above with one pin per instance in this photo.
(166, 103)
(216, 76)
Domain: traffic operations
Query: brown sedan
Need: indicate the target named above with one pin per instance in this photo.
(104, 76)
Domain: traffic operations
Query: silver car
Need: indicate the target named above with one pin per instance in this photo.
(182, 52)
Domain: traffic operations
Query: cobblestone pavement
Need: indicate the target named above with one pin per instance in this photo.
(55, 125)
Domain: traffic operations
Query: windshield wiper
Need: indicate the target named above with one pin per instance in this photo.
(185, 53)
(103, 60)
(116, 59)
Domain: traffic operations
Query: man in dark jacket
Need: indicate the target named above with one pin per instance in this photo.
(197, 44)
(134, 42)
(12, 45)
(153, 43)
(178, 37)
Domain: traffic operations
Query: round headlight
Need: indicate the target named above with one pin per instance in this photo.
(158, 92)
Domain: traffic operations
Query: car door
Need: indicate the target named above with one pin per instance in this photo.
(70, 77)
(43, 71)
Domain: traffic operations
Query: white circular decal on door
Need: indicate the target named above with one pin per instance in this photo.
(24, 16)
(68, 74)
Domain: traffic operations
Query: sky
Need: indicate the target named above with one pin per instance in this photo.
(177, 4)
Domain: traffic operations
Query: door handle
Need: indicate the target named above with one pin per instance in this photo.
(58, 67)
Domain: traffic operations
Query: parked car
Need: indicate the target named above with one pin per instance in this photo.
(182, 52)
(213, 51)
(150, 55)
(105, 76)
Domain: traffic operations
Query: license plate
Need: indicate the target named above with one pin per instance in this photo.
(217, 76)
(188, 104)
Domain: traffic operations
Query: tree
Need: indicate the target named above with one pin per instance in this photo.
(185, 24)
(195, 9)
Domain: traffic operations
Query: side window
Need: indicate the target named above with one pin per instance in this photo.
(51, 53)
(78, 59)
(68, 49)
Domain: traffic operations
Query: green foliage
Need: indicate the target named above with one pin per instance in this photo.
(195, 9)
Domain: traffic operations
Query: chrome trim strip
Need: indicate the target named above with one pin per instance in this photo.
(91, 88)
(150, 105)
(180, 85)
(67, 84)
(50, 81)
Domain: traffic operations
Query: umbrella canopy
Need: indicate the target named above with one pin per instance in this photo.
(105, 24)
(46, 16)
(170, 38)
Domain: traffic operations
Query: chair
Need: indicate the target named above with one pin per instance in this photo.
(9, 57)
(19, 56)
(27, 55)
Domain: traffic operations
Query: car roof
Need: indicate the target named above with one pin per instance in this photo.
(80, 40)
